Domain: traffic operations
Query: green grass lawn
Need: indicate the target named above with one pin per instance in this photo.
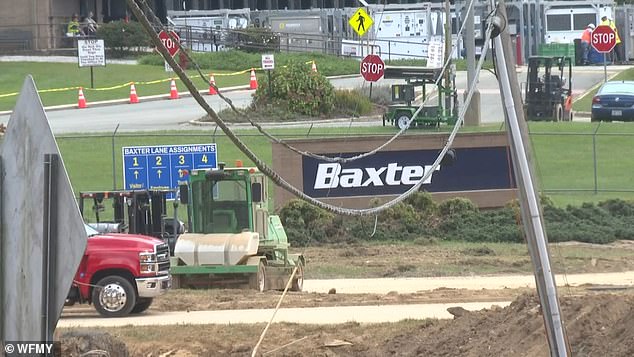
(64, 75)
(563, 155)
(584, 104)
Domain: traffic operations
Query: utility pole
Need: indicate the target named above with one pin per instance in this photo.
(532, 217)
(472, 115)
(446, 59)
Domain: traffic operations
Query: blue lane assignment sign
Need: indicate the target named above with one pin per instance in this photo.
(164, 167)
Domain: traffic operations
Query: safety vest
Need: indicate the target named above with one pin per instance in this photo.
(585, 36)
(73, 27)
(613, 27)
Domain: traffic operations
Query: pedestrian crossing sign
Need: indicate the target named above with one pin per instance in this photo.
(361, 22)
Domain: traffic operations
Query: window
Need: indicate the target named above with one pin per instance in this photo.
(580, 21)
(558, 22)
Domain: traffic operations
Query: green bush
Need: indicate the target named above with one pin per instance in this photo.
(123, 37)
(305, 223)
(352, 103)
(298, 89)
(419, 219)
(455, 206)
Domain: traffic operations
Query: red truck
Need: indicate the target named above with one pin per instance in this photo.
(121, 273)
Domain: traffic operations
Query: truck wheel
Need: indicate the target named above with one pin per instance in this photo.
(258, 281)
(115, 296)
(402, 119)
(142, 305)
(298, 281)
(559, 113)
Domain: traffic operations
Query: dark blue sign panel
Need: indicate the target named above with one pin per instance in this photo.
(164, 167)
(394, 172)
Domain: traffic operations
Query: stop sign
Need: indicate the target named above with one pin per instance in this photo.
(168, 42)
(372, 68)
(603, 38)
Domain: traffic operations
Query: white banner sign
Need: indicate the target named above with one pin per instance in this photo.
(435, 53)
(91, 53)
(268, 62)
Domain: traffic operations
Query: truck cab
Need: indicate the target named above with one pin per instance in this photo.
(121, 273)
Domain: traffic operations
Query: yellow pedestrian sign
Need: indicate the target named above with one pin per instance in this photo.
(361, 22)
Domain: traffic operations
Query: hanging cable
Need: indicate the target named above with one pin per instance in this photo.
(337, 159)
(268, 171)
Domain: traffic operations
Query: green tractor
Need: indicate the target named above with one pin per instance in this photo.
(430, 116)
(232, 238)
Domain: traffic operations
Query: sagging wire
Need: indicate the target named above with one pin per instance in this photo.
(268, 171)
(325, 158)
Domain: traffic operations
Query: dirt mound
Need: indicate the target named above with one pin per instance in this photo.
(76, 343)
(596, 325)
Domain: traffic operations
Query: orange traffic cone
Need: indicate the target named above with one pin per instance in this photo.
(173, 90)
(313, 67)
(133, 97)
(81, 102)
(253, 84)
(212, 83)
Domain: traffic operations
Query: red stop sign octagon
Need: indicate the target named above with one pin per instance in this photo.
(603, 38)
(372, 68)
(168, 42)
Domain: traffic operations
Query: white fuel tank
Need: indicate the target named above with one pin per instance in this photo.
(217, 248)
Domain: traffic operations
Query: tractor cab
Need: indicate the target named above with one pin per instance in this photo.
(548, 91)
(403, 95)
(227, 201)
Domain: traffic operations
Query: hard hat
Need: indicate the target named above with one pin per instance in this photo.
(591, 26)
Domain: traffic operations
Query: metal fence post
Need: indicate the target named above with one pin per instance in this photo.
(114, 160)
(594, 158)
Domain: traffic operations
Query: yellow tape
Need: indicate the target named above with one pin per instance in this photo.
(141, 83)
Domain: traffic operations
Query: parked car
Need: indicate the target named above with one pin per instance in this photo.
(120, 273)
(614, 101)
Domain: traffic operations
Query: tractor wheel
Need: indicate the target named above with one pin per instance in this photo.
(570, 116)
(402, 119)
(258, 281)
(298, 280)
(142, 305)
(115, 296)
(559, 112)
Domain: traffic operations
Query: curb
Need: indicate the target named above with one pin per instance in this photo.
(292, 123)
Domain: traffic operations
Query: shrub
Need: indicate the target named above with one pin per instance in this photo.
(306, 223)
(352, 102)
(296, 87)
(457, 205)
(122, 37)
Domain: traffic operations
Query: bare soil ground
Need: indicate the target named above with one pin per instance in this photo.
(597, 324)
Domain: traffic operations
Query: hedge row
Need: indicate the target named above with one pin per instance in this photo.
(458, 219)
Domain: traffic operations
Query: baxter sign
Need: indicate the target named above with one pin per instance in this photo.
(394, 172)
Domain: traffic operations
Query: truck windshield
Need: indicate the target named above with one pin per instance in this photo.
(220, 206)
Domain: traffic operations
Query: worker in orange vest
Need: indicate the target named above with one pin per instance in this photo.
(585, 43)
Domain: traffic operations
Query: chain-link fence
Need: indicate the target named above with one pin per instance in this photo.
(588, 163)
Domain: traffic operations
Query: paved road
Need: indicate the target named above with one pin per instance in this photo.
(412, 285)
(312, 315)
(82, 316)
(169, 115)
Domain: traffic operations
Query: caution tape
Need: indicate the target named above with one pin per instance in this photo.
(52, 90)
